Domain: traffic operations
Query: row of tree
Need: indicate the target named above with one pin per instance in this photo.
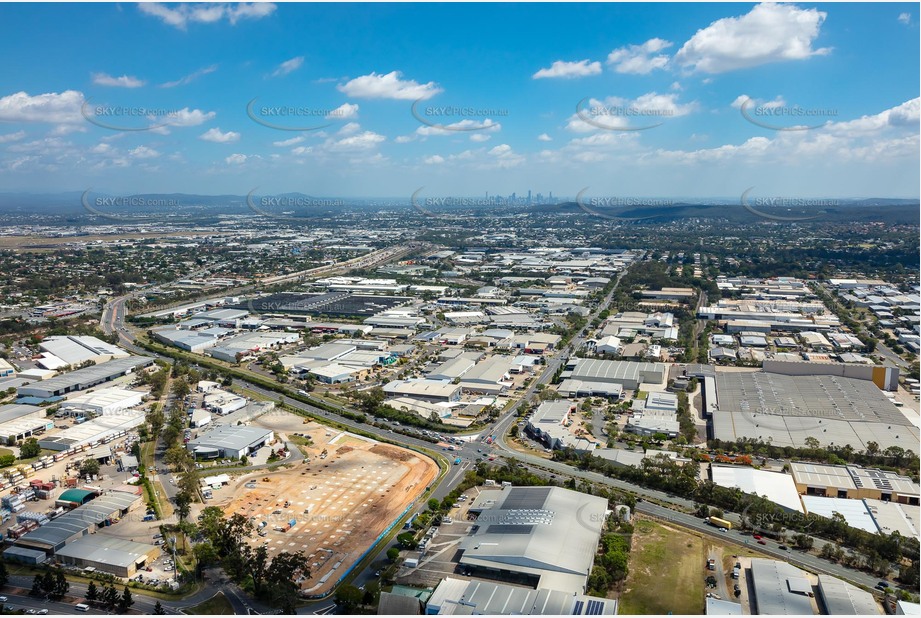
(110, 599)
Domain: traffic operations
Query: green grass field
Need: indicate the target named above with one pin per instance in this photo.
(666, 572)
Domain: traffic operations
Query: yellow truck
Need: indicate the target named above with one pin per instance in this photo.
(719, 522)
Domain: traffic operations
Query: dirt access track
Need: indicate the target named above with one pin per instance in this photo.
(340, 503)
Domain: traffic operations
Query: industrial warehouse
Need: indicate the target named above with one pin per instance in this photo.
(230, 441)
(82, 379)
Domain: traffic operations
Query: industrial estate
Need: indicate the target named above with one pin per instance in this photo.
(529, 402)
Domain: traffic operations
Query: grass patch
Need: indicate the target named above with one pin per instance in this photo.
(218, 604)
(666, 572)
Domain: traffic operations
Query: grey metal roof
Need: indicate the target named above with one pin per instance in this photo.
(564, 527)
(843, 599)
(772, 593)
(90, 375)
(13, 411)
(77, 521)
(106, 550)
(234, 438)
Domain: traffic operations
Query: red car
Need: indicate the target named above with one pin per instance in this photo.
(757, 537)
(761, 542)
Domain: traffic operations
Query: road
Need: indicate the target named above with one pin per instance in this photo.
(470, 452)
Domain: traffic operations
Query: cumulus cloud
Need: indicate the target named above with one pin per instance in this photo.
(12, 137)
(543, 137)
(289, 142)
(236, 159)
(125, 81)
(186, 117)
(768, 33)
(181, 15)
(288, 66)
(143, 152)
(359, 141)
(904, 18)
(480, 137)
(621, 113)
(51, 107)
(569, 70)
(215, 135)
(640, 59)
(346, 111)
(434, 160)
(388, 86)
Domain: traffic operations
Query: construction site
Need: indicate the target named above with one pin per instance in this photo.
(334, 505)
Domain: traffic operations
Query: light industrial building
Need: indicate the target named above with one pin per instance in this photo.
(79, 522)
(779, 589)
(19, 421)
(787, 409)
(120, 557)
(628, 374)
(426, 390)
(777, 487)
(549, 424)
(855, 512)
(105, 401)
(854, 482)
(840, 598)
(488, 376)
(74, 350)
(461, 596)
(231, 442)
(100, 429)
(548, 534)
(82, 379)
(587, 388)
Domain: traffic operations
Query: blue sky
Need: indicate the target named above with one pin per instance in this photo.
(677, 100)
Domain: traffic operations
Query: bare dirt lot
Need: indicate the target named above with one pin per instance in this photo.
(340, 502)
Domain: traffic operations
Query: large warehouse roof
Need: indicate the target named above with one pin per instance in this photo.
(234, 438)
(550, 532)
(77, 521)
(459, 596)
(107, 550)
(613, 371)
(855, 512)
(92, 431)
(86, 377)
(788, 409)
(773, 592)
(776, 486)
(843, 599)
(74, 350)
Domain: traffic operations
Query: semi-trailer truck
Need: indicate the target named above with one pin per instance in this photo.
(719, 522)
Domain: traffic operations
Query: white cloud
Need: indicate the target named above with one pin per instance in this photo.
(289, 142)
(768, 33)
(302, 150)
(569, 70)
(288, 66)
(215, 135)
(186, 117)
(640, 59)
(905, 18)
(618, 113)
(505, 156)
(346, 111)
(191, 77)
(404, 139)
(349, 128)
(543, 137)
(12, 137)
(360, 141)
(181, 15)
(125, 81)
(388, 86)
(676, 86)
(740, 100)
(908, 114)
(143, 152)
(52, 107)
(434, 160)
(236, 159)
(480, 137)
(467, 124)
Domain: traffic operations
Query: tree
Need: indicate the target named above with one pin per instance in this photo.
(109, 597)
(4, 576)
(407, 540)
(89, 467)
(125, 601)
(29, 449)
(61, 586)
(158, 609)
(372, 593)
(183, 505)
(48, 583)
(433, 504)
(91, 591)
(392, 554)
(36, 586)
(349, 597)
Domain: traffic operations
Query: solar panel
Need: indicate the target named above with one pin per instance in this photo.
(577, 610)
(526, 498)
(594, 608)
(508, 529)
